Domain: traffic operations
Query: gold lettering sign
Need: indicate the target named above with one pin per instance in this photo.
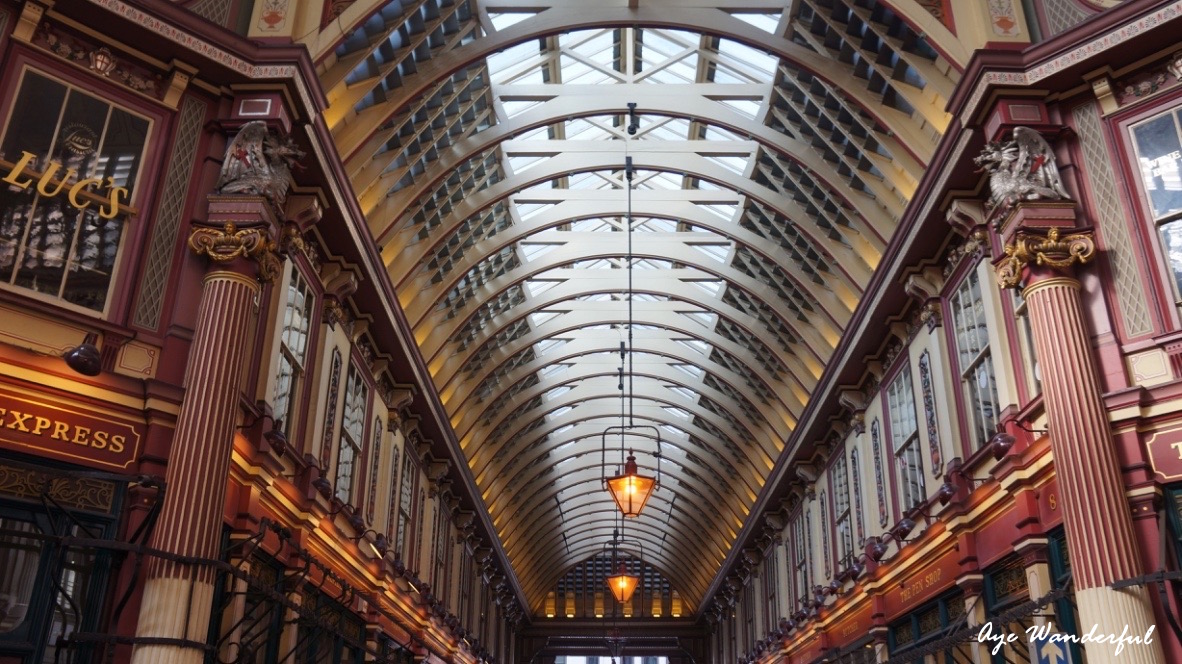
(81, 194)
(66, 433)
(920, 584)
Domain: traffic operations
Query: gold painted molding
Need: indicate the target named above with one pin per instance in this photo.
(225, 244)
(1051, 251)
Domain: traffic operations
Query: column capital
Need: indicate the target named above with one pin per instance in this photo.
(1049, 251)
(229, 242)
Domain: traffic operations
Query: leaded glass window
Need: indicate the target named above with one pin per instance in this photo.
(905, 439)
(975, 359)
(293, 348)
(841, 512)
(352, 430)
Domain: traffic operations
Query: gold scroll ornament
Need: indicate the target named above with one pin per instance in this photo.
(1050, 251)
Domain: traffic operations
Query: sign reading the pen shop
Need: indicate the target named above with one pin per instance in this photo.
(36, 426)
(921, 586)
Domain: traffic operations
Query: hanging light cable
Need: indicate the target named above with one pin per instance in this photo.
(630, 490)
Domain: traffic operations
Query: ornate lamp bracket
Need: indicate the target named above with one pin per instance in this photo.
(1051, 250)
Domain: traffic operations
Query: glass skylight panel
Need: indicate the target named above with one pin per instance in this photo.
(527, 210)
(732, 163)
(703, 317)
(714, 133)
(537, 287)
(669, 131)
(564, 428)
(664, 181)
(690, 369)
(765, 22)
(514, 108)
(591, 226)
(676, 412)
(696, 344)
(542, 133)
(718, 252)
(512, 61)
(744, 106)
(524, 163)
(556, 392)
(669, 428)
(648, 297)
(712, 287)
(655, 226)
(726, 212)
(542, 317)
(542, 346)
(552, 370)
(500, 21)
(683, 391)
(533, 250)
(758, 65)
(652, 264)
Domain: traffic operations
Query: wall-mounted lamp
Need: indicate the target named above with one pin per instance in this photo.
(274, 436)
(378, 544)
(1001, 444)
(84, 358)
(956, 478)
(633, 121)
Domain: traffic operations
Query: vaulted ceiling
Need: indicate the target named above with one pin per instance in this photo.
(778, 144)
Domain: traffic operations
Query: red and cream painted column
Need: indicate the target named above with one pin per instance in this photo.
(177, 601)
(1097, 516)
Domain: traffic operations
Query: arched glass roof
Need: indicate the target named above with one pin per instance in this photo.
(774, 153)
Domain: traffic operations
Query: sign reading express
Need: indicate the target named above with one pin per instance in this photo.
(67, 434)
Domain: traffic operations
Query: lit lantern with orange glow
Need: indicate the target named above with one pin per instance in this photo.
(631, 489)
(623, 584)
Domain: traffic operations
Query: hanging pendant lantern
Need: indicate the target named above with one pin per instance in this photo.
(631, 490)
(623, 584)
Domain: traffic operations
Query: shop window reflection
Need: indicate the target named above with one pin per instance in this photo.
(61, 234)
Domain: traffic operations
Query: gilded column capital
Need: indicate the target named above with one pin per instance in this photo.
(1050, 250)
(227, 243)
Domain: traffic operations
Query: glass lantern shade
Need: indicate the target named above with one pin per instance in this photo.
(630, 490)
(623, 584)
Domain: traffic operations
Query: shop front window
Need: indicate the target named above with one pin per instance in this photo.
(50, 590)
(68, 166)
(928, 623)
(1158, 143)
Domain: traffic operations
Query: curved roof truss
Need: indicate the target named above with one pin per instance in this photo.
(773, 152)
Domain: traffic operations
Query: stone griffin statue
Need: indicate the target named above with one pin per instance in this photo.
(259, 163)
(1021, 169)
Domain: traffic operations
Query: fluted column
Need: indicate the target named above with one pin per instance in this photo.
(177, 601)
(1096, 514)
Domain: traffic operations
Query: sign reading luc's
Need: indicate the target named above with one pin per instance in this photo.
(69, 162)
(31, 425)
(53, 182)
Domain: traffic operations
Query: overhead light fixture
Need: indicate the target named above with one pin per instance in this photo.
(84, 358)
(622, 584)
(629, 489)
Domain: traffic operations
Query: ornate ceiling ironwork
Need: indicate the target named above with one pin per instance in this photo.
(486, 140)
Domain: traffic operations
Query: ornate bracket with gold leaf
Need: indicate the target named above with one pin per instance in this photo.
(223, 245)
(1050, 251)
